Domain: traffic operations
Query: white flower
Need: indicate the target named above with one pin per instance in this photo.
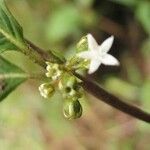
(98, 54)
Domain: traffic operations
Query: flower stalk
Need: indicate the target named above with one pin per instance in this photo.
(99, 92)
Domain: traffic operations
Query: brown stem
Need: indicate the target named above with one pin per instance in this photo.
(114, 101)
(102, 94)
(45, 55)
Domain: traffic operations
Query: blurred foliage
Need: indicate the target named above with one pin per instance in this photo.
(29, 122)
(63, 22)
(141, 10)
(11, 77)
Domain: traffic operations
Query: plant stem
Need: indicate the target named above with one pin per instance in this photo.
(99, 92)
(45, 55)
(34, 56)
(114, 101)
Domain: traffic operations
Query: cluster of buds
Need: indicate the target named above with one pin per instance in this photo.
(53, 73)
(89, 56)
(69, 86)
(72, 92)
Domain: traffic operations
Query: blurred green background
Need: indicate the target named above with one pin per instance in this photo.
(27, 121)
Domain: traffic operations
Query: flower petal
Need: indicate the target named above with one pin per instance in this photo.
(110, 60)
(106, 45)
(94, 65)
(85, 55)
(92, 44)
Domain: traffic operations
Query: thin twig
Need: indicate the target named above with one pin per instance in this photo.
(42, 52)
(46, 55)
(103, 95)
(114, 101)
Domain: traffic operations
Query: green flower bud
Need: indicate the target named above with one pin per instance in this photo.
(46, 90)
(70, 86)
(82, 44)
(54, 71)
(72, 109)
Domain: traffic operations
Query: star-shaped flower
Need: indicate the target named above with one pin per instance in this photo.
(98, 54)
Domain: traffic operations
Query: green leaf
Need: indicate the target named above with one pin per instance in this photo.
(10, 77)
(11, 33)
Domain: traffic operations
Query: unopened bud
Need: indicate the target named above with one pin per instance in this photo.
(46, 90)
(82, 44)
(53, 71)
(72, 109)
(70, 86)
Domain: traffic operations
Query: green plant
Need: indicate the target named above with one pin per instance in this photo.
(63, 74)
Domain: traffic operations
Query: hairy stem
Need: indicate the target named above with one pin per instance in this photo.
(100, 93)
